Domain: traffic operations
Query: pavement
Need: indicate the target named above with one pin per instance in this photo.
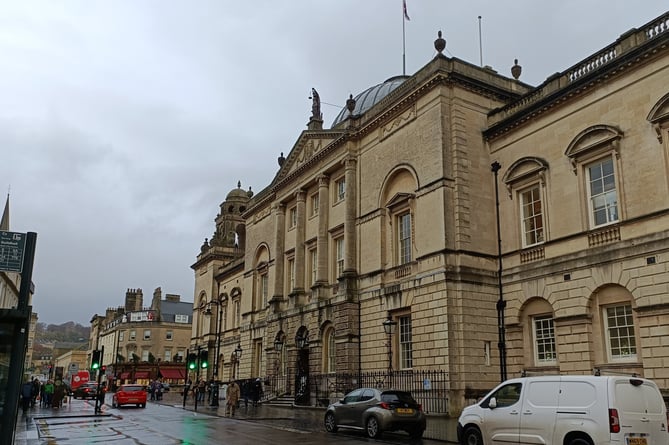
(294, 418)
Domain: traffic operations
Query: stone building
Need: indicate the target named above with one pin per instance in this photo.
(504, 228)
(142, 343)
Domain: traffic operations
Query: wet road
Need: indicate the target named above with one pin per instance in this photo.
(167, 424)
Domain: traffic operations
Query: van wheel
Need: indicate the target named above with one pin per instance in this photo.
(472, 436)
(372, 427)
(579, 441)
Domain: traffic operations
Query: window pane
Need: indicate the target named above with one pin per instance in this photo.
(532, 217)
(406, 349)
(603, 195)
(404, 238)
(620, 330)
(340, 257)
(544, 339)
(332, 356)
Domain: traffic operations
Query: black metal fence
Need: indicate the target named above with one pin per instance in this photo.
(430, 388)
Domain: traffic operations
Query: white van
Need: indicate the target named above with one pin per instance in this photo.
(567, 410)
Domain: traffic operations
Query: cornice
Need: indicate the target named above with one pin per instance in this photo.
(611, 62)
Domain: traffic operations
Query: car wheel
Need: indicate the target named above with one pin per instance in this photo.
(472, 436)
(372, 427)
(416, 433)
(113, 403)
(330, 423)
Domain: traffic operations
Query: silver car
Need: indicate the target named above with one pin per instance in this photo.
(376, 411)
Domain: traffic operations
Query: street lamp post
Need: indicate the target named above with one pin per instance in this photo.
(218, 332)
(501, 304)
(389, 328)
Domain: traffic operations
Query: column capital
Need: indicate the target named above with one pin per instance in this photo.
(350, 162)
(300, 194)
(323, 180)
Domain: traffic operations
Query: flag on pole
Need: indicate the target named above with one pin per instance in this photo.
(404, 7)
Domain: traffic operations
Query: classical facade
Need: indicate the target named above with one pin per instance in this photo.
(502, 228)
(142, 343)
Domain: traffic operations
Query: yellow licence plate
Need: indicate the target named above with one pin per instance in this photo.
(636, 441)
(410, 411)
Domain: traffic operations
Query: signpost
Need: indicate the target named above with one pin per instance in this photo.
(12, 249)
(17, 255)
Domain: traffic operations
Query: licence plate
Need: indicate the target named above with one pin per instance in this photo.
(636, 441)
(410, 411)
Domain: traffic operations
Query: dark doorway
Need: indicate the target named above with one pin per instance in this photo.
(302, 377)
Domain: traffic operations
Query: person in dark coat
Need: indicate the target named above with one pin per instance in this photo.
(58, 394)
(102, 391)
(26, 395)
(36, 391)
(256, 391)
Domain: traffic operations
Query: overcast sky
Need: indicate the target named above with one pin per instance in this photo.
(125, 123)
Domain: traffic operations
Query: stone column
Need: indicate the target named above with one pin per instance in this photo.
(279, 211)
(300, 233)
(323, 240)
(350, 218)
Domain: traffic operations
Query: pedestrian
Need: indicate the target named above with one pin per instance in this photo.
(42, 395)
(256, 392)
(201, 389)
(26, 395)
(210, 389)
(187, 389)
(102, 391)
(152, 390)
(159, 390)
(48, 392)
(58, 394)
(36, 388)
(231, 398)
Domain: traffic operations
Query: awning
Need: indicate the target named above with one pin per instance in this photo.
(142, 374)
(124, 375)
(173, 373)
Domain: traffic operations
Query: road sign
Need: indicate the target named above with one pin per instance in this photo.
(12, 248)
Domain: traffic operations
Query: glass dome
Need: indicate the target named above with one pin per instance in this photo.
(370, 97)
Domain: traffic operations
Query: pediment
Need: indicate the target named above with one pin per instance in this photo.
(660, 111)
(659, 116)
(593, 138)
(307, 148)
(524, 168)
(399, 198)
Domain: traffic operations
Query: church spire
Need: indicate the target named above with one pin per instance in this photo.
(4, 222)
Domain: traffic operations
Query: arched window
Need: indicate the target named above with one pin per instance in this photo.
(539, 333)
(329, 350)
(614, 322)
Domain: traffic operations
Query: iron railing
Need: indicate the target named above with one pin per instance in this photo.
(430, 388)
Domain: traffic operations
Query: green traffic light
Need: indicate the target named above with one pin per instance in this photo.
(191, 366)
(204, 364)
(95, 366)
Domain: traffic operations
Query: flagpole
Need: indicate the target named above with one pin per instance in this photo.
(404, 57)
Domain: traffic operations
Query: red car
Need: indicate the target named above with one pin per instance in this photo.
(129, 395)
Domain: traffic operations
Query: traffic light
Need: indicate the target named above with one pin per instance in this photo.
(192, 361)
(103, 368)
(95, 361)
(204, 358)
